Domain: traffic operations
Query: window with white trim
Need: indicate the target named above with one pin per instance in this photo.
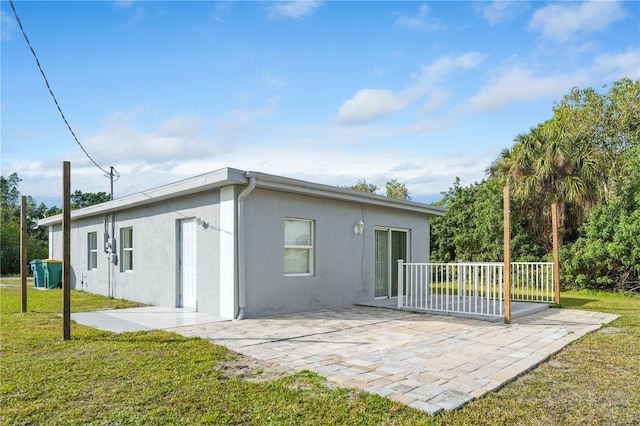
(126, 238)
(298, 247)
(92, 250)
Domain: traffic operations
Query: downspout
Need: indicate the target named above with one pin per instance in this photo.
(107, 249)
(241, 261)
(109, 242)
(113, 255)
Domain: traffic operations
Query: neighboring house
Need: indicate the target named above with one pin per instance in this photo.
(242, 244)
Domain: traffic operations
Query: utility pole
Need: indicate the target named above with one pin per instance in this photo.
(66, 250)
(111, 178)
(23, 252)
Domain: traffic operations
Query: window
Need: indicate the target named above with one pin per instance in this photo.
(298, 247)
(92, 244)
(127, 248)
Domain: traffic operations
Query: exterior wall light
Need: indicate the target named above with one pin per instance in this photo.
(201, 222)
(359, 228)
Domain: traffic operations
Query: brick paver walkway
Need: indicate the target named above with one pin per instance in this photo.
(430, 362)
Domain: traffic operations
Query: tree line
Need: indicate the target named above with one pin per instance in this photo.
(392, 189)
(37, 238)
(585, 158)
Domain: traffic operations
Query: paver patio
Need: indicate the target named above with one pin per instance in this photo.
(431, 362)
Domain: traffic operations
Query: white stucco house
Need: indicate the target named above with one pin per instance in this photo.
(239, 244)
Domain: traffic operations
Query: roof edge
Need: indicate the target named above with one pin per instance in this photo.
(231, 176)
(268, 181)
(215, 179)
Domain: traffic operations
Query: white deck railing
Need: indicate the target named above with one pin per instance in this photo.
(471, 288)
(532, 282)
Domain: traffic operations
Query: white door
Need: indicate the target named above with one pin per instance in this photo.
(188, 265)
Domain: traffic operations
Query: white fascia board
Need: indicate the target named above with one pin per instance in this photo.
(326, 191)
(230, 176)
(216, 179)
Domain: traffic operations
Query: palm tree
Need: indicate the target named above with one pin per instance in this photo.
(551, 164)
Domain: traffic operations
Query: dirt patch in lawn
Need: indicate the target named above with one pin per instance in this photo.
(256, 370)
(250, 369)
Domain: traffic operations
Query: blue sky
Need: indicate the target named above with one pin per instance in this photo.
(330, 92)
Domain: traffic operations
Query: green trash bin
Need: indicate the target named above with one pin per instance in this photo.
(38, 272)
(52, 273)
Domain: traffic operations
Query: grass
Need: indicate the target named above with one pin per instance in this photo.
(153, 378)
(593, 381)
(162, 378)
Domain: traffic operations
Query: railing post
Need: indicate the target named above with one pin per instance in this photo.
(556, 254)
(400, 282)
(507, 256)
(460, 298)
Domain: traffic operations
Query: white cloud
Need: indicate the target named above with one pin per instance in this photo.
(425, 126)
(120, 139)
(561, 22)
(421, 21)
(122, 142)
(181, 126)
(30, 134)
(329, 154)
(435, 101)
(293, 9)
(616, 66)
(519, 84)
(7, 26)
(239, 123)
(444, 65)
(372, 104)
(426, 176)
(500, 11)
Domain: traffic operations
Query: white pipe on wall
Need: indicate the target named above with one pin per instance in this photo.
(241, 231)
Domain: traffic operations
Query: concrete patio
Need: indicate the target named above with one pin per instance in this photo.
(430, 362)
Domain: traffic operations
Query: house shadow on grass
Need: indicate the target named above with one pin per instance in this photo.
(570, 302)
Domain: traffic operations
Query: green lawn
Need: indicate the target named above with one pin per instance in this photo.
(162, 378)
(594, 381)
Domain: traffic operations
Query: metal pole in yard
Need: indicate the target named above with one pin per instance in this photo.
(23, 253)
(507, 256)
(556, 253)
(66, 250)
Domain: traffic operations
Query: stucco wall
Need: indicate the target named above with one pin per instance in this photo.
(343, 261)
(155, 274)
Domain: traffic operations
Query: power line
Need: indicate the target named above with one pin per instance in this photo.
(113, 172)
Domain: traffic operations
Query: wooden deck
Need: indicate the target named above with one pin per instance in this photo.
(472, 309)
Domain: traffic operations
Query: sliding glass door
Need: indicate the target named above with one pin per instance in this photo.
(390, 245)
